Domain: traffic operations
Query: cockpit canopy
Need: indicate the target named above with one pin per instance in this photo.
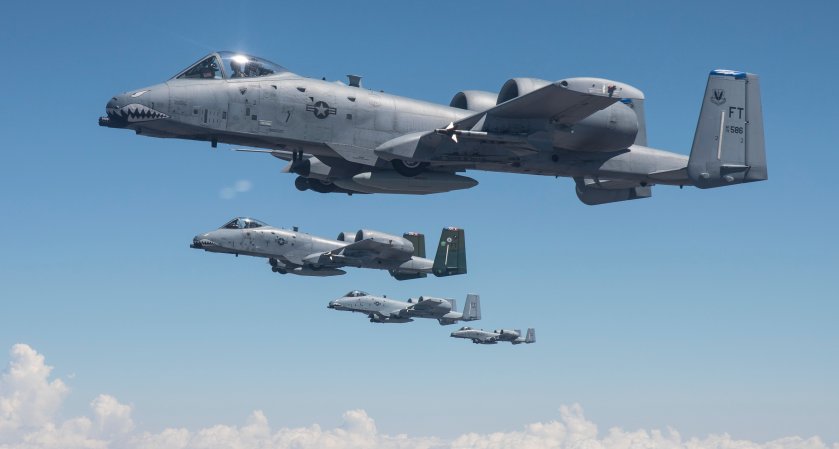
(243, 223)
(228, 65)
(355, 294)
(466, 328)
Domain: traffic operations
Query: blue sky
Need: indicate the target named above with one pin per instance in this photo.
(708, 311)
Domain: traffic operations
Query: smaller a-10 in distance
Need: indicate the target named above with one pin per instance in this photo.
(380, 309)
(295, 252)
(482, 337)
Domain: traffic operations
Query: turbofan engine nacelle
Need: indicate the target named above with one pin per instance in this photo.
(517, 87)
(399, 244)
(474, 100)
(443, 302)
(347, 236)
(611, 129)
(508, 334)
(614, 128)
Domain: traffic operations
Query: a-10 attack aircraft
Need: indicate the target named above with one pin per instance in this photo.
(480, 336)
(344, 138)
(383, 310)
(294, 252)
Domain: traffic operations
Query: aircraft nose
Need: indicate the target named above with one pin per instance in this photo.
(151, 103)
(114, 103)
(113, 118)
(201, 242)
(156, 97)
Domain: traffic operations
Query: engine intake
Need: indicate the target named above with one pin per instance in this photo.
(517, 87)
(474, 100)
(347, 236)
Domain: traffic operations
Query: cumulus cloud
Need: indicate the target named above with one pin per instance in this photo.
(240, 186)
(30, 401)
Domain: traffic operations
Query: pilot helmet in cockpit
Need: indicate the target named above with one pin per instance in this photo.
(239, 66)
(209, 69)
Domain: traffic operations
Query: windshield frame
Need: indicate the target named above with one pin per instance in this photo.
(243, 223)
(224, 58)
(219, 67)
(356, 294)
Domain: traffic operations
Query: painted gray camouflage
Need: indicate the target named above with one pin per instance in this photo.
(348, 139)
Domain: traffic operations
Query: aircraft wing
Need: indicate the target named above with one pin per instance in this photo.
(420, 309)
(354, 253)
(369, 248)
(507, 130)
(564, 102)
(487, 339)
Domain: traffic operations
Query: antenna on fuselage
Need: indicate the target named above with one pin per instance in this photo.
(355, 80)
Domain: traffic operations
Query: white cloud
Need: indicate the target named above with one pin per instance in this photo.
(240, 186)
(29, 403)
(27, 397)
(111, 417)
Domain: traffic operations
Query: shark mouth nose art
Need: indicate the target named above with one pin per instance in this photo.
(134, 113)
(202, 243)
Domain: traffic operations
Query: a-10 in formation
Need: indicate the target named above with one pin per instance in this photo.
(380, 309)
(343, 138)
(294, 252)
(383, 310)
(480, 336)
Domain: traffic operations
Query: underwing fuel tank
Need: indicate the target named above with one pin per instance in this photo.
(319, 272)
(392, 182)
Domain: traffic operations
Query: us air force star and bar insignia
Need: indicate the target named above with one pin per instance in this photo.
(321, 109)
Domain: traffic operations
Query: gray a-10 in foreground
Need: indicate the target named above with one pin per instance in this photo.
(383, 310)
(294, 252)
(344, 138)
(480, 336)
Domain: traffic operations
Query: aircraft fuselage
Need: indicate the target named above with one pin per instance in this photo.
(348, 139)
